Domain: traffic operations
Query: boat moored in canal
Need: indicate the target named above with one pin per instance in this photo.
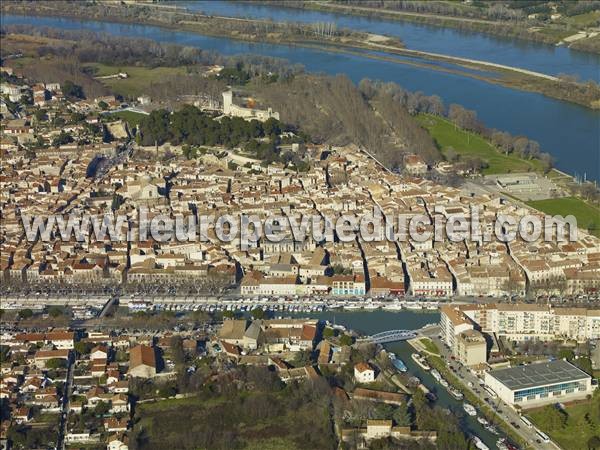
(420, 361)
(397, 363)
(469, 409)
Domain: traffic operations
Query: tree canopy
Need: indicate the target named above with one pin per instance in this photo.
(26, 313)
(56, 363)
(192, 126)
(72, 90)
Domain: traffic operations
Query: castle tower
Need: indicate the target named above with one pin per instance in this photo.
(227, 102)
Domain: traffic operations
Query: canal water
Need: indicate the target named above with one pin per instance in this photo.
(372, 322)
(569, 132)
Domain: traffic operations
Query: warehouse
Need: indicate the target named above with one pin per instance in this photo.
(539, 384)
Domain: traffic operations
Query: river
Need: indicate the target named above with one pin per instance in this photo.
(371, 322)
(569, 132)
(544, 58)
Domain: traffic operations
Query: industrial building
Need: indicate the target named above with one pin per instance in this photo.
(539, 384)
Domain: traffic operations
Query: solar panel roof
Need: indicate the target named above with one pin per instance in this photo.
(532, 375)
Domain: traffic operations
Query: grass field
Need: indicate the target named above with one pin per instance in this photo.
(139, 78)
(248, 419)
(161, 406)
(584, 20)
(588, 216)
(555, 32)
(578, 428)
(271, 444)
(430, 346)
(471, 145)
(132, 118)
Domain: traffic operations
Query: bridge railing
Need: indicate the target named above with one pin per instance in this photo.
(392, 335)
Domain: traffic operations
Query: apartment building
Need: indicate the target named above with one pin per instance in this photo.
(436, 283)
(452, 323)
(348, 285)
(471, 348)
(522, 321)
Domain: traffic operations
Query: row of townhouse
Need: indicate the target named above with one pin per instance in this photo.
(340, 181)
(272, 336)
(254, 283)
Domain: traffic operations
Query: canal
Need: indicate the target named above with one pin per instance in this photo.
(371, 322)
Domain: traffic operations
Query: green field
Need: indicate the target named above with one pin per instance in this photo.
(588, 216)
(237, 419)
(555, 32)
(584, 20)
(468, 144)
(139, 78)
(132, 118)
(582, 423)
(430, 346)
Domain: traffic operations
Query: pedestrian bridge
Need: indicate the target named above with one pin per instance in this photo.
(391, 336)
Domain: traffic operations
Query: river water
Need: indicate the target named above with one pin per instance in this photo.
(538, 57)
(569, 132)
(371, 322)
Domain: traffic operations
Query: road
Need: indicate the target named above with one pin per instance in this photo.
(506, 412)
(64, 413)
(104, 165)
(129, 108)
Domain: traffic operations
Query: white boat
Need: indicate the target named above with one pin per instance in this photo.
(469, 409)
(352, 307)
(455, 393)
(420, 361)
(413, 305)
(416, 381)
(479, 443)
(492, 429)
(482, 420)
(435, 374)
(393, 307)
(444, 383)
(501, 444)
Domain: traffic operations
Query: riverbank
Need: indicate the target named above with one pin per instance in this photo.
(249, 30)
(512, 77)
(552, 34)
(325, 37)
(460, 145)
(565, 130)
(587, 95)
